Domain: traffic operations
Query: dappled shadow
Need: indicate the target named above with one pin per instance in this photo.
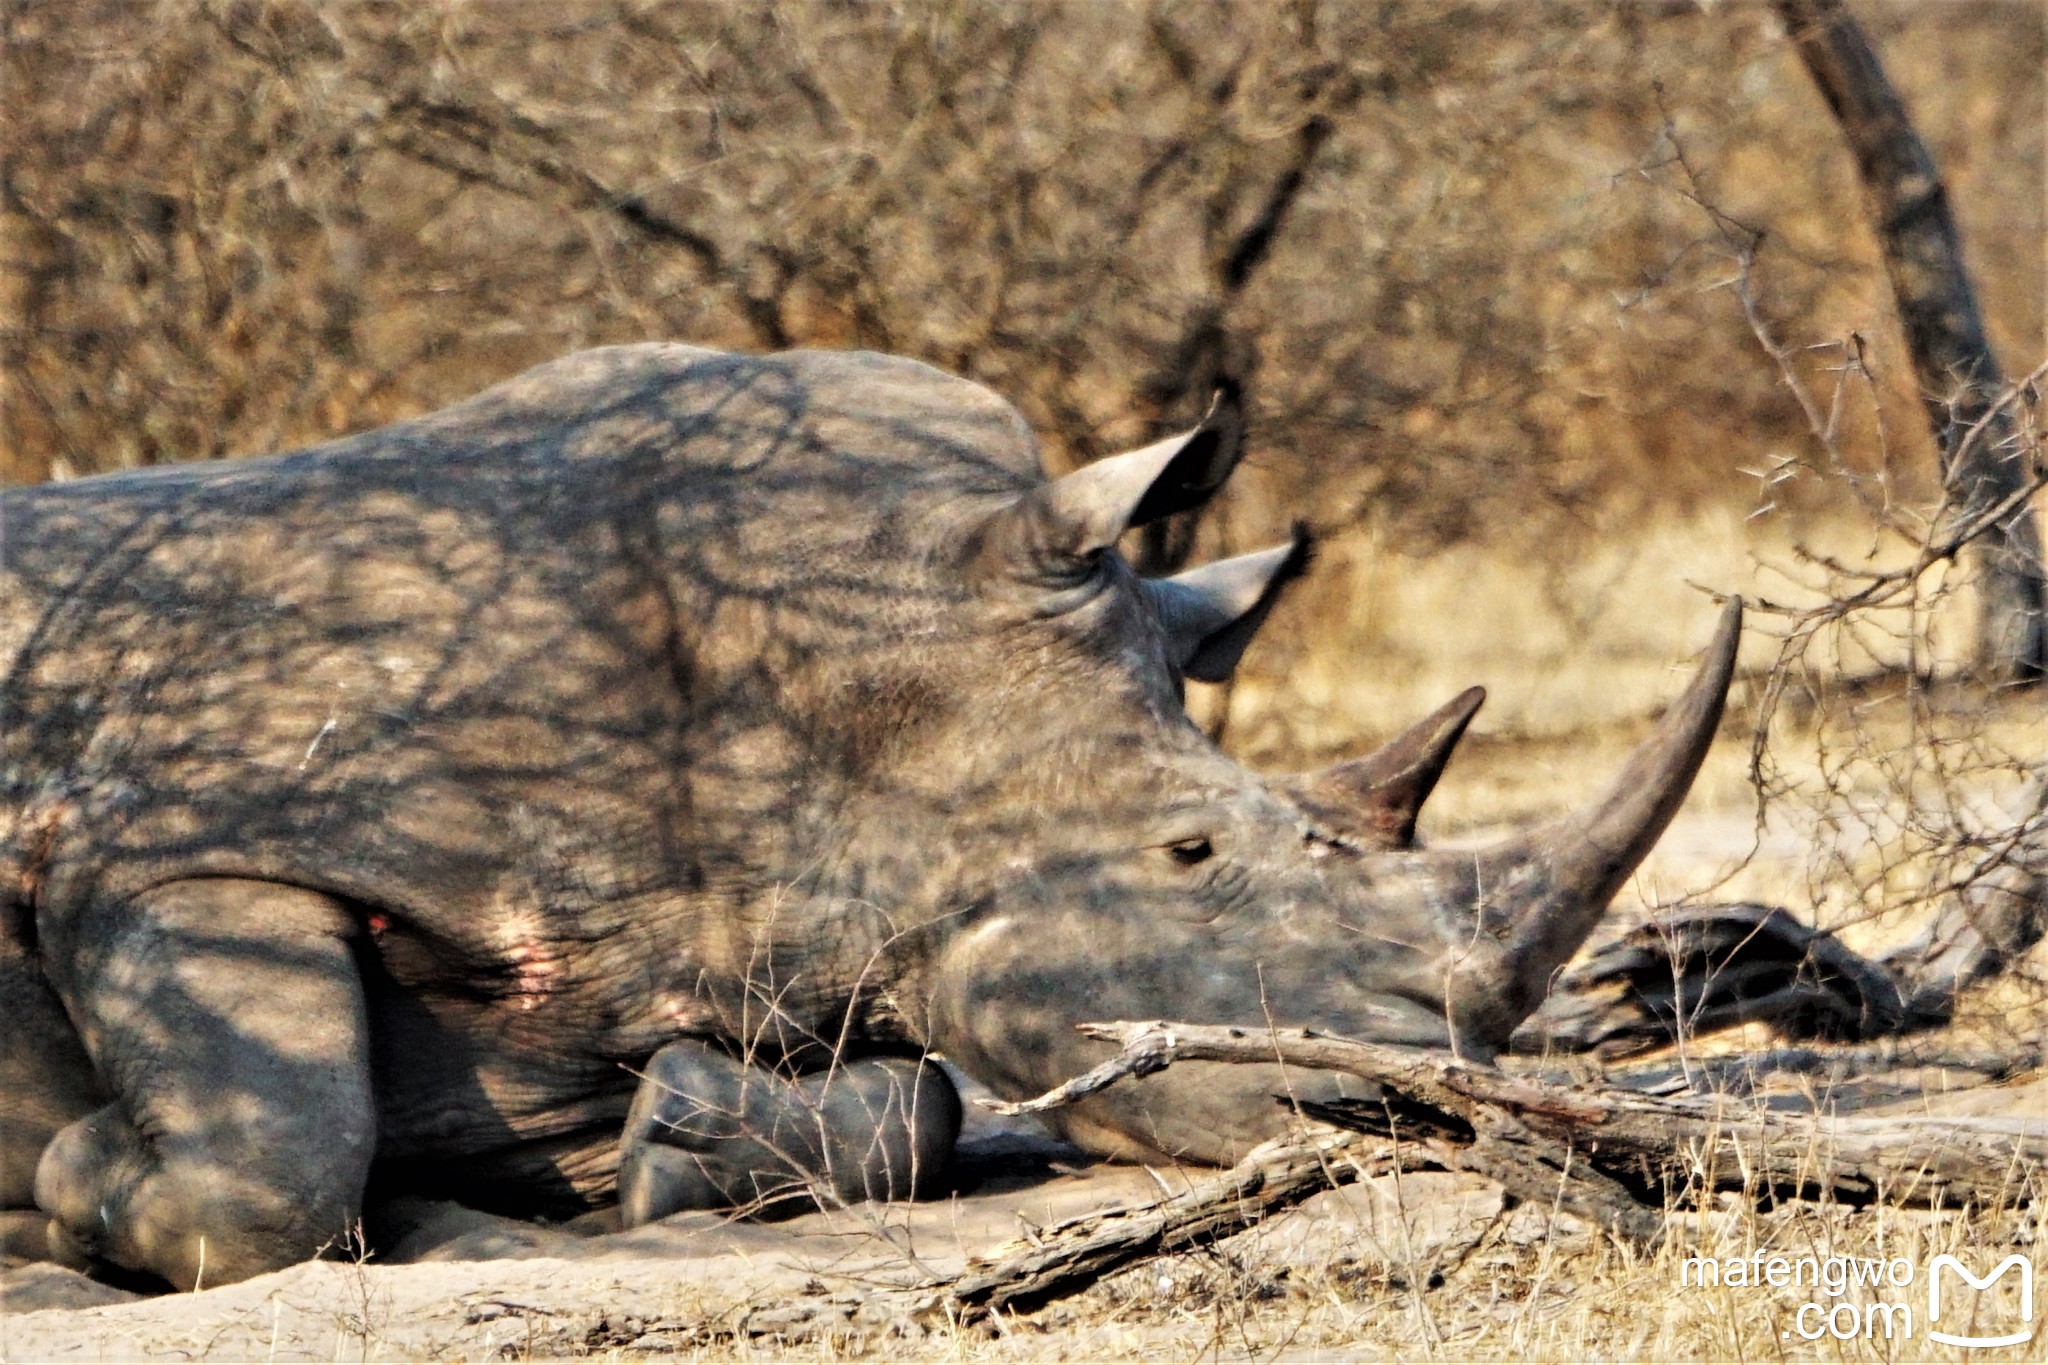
(658, 694)
(522, 683)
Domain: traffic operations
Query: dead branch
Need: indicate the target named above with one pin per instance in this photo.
(1659, 1149)
(1073, 1255)
(1058, 1261)
(1620, 1157)
(1690, 971)
(1696, 969)
(1141, 1058)
(1473, 1119)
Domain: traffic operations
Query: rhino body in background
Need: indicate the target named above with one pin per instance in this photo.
(366, 813)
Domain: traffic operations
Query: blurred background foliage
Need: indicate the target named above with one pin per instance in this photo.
(1461, 254)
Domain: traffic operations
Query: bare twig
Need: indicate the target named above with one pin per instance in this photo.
(1145, 1055)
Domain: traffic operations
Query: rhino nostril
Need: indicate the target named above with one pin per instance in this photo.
(1188, 852)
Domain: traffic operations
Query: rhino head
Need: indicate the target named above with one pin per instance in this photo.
(1138, 872)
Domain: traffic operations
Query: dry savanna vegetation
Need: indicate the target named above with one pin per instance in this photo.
(1555, 320)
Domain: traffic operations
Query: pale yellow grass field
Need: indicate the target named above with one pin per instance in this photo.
(1867, 770)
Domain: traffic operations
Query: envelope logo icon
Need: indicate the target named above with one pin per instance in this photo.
(1945, 1261)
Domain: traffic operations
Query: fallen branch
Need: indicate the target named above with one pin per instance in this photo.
(1073, 1255)
(1618, 1157)
(1473, 1117)
(1661, 1149)
(1691, 971)
(1140, 1057)
(1468, 1118)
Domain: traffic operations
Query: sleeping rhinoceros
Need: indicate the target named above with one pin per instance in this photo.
(369, 814)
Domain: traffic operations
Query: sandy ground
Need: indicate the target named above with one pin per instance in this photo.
(487, 1288)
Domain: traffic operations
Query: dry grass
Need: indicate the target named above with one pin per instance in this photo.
(1594, 634)
(1866, 782)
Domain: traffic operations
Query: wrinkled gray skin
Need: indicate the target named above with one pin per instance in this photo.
(366, 813)
(710, 1131)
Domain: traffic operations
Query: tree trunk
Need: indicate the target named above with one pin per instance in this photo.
(1213, 354)
(1958, 375)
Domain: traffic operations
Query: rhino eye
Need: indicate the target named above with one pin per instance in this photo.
(1188, 852)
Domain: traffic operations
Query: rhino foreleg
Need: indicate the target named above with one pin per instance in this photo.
(711, 1132)
(226, 1020)
(46, 1082)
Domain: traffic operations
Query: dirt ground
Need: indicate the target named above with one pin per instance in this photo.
(569, 1295)
(1423, 1265)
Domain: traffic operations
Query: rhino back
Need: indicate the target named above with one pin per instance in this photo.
(516, 670)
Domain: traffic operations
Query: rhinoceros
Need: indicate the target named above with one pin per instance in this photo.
(371, 815)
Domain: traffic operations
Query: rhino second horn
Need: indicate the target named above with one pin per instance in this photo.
(1210, 614)
(1540, 894)
(1056, 531)
(1376, 799)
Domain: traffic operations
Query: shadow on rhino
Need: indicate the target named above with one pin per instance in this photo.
(371, 816)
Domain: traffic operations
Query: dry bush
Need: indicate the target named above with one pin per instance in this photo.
(1440, 241)
(1546, 313)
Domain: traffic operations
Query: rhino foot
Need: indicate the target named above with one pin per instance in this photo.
(227, 1019)
(710, 1132)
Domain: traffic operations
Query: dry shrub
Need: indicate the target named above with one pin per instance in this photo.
(1448, 244)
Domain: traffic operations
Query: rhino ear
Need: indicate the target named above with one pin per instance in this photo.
(1210, 614)
(1376, 799)
(1057, 531)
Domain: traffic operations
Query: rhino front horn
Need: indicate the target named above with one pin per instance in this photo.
(1056, 531)
(1540, 894)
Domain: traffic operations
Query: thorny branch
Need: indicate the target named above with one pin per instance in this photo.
(1900, 818)
(1943, 326)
